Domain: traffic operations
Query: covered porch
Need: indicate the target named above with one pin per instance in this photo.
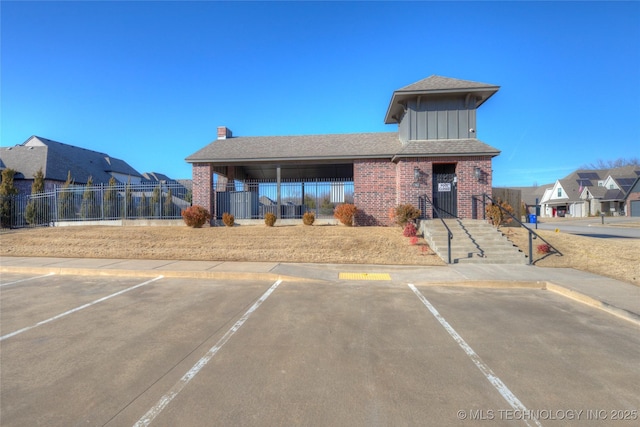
(288, 190)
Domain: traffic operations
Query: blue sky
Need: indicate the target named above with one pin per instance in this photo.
(150, 81)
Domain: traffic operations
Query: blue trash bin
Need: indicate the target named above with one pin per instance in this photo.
(532, 218)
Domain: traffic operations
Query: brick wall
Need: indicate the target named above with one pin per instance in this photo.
(469, 185)
(380, 185)
(408, 190)
(374, 190)
(632, 197)
(202, 174)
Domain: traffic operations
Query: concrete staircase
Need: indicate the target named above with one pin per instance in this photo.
(474, 241)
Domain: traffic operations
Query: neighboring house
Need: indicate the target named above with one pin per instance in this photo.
(57, 159)
(632, 199)
(588, 192)
(156, 177)
(435, 153)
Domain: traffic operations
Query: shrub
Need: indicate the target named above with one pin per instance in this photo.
(498, 216)
(543, 248)
(195, 216)
(228, 219)
(270, 219)
(414, 240)
(308, 218)
(345, 213)
(409, 230)
(402, 214)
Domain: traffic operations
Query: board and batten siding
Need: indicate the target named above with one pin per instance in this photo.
(438, 119)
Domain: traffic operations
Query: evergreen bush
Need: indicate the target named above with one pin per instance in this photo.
(37, 211)
(7, 193)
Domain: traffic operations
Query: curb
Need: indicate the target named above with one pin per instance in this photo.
(226, 275)
(585, 299)
(213, 275)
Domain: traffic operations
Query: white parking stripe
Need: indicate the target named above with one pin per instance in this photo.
(24, 280)
(82, 307)
(177, 388)
(486, 371)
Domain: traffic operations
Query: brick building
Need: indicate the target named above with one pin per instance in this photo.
(434, 160)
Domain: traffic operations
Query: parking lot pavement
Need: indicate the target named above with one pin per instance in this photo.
(182, 351)
(610, 295)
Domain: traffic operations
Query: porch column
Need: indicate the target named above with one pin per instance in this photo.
(203, 186)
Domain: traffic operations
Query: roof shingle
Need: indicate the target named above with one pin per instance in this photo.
(332, 147)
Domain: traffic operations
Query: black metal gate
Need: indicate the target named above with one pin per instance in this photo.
(445, 191)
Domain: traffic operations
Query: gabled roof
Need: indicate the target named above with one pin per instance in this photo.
(57, 159)
(331, 148)
(597, 192)
(437, 85)
(575, 183)
(635, 188)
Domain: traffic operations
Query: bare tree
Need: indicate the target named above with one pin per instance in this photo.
(611, 164)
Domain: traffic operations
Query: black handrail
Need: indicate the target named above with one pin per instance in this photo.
(531, 232)
(449, 233)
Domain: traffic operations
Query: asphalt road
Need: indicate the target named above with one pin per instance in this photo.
(106, 351)
(613, 227)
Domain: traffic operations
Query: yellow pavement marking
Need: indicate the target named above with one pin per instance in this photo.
(364, 276)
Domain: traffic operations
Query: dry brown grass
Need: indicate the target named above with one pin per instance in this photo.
(298, 243)
(616, 258)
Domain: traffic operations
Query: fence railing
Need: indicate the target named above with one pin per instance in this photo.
(440, 214)
(95, 203)
(532, 233)
(254, 199)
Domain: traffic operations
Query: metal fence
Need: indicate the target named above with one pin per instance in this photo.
(95, 203)
(253, 199)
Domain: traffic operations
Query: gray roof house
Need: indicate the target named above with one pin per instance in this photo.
(56, 159)
(632, 199)
(587, 192)
(436, 141)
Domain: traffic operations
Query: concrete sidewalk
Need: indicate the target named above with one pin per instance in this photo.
(616, 297)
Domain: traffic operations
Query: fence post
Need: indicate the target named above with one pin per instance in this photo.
(279, 194)
(55, 203)
(102, 201)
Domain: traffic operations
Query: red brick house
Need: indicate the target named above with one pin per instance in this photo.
(434, 158)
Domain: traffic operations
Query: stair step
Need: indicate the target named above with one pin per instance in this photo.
(471, 239)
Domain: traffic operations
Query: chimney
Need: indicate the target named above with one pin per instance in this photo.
(223, 132)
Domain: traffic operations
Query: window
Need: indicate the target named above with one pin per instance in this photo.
(559, 192)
